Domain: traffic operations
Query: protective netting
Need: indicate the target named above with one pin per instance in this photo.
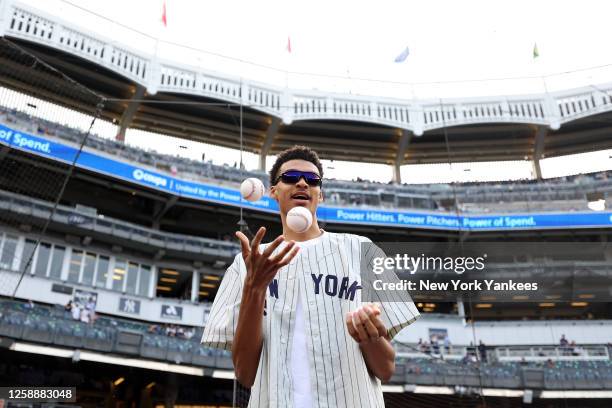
(31, 186)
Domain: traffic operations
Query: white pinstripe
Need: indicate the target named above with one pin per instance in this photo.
(339, 375)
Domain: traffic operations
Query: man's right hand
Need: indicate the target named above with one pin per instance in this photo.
(262, 267)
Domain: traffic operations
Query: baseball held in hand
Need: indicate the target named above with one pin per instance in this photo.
(252, 189)
(299, 219)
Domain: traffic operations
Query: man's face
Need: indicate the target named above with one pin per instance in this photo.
(299, 194)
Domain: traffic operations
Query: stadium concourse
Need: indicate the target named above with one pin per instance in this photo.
(111, 255)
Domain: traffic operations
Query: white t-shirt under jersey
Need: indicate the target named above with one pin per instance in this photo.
(300, 370)
(326, 278)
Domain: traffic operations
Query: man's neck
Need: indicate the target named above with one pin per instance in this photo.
(313, 232)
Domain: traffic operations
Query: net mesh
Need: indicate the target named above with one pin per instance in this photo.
(27, 84)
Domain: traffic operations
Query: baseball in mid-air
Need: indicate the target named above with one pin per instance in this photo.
(299, 219)
(252, 189)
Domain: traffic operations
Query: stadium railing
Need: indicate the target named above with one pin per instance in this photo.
(42, 210)
(51, 326)
(54, 326)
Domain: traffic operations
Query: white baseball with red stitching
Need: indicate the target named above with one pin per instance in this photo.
(252, 189)
(299, 219)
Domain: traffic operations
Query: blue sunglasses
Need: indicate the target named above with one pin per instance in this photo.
(293, 176)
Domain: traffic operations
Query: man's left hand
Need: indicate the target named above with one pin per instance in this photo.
(364, 324)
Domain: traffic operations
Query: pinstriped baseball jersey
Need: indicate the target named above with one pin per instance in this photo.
(327, 277)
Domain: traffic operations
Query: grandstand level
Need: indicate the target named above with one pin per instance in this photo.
(112, 254)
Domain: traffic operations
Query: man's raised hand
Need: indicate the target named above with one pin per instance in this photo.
(262, 267)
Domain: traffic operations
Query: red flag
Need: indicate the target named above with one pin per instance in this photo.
(289, 44)
(164, 18)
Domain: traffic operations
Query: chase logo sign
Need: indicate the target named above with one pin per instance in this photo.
(172, 312)
(142, 175)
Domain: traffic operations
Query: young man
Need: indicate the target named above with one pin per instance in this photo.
(291, 311)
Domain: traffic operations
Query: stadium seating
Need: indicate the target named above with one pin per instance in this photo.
(561, 194)
(42, 325)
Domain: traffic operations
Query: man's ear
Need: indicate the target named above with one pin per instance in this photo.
(273, 193)
(320, 195)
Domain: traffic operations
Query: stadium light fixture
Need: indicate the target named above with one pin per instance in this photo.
(502, 392)
(118, 381)
(484, 306)
(579, 304)
(575, 394)
(224, 374)
(107, 359)
(44, 350)
(547, 304)
(426, 389)
(392, 388)
(212, 277)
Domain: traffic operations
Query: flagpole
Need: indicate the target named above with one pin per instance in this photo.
(287, 61)
(164, 23)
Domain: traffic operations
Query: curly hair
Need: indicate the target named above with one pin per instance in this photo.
(295, 153)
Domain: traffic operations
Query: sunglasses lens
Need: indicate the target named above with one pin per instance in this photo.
(293, 176)
(290, 179)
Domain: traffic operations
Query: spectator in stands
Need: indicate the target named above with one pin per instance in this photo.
(85, 316)
(91, 309)
(426, 348)
(435, 345)
(68, 306)
(482, 350)
(29, 305)
(189, 334)
(76, 311)
(563, 343)
(447, 345)
(574, 350)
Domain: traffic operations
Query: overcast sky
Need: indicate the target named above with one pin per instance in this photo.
(448, 41)
(456, 47)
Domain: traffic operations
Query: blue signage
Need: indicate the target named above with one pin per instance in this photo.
(200, 191)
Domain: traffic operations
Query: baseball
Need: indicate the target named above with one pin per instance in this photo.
(252, 189)
(299, 219)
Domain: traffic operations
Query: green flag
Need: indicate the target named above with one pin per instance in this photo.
(536, 54)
